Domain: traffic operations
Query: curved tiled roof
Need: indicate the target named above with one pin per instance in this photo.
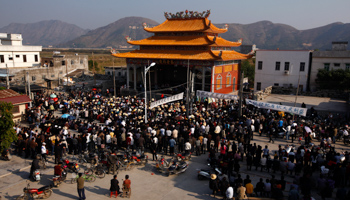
(192, 40)
(183, 55)
(168, 54)
(186, 25)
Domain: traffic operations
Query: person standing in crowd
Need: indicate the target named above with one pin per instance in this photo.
(114, 187)
(43, 151)
(229, 193)
(80, 185)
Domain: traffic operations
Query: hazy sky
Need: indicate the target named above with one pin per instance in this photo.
(91, 14)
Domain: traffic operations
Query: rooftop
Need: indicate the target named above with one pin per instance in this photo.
(13, 97)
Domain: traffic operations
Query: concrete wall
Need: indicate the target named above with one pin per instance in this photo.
(269, 76)
(58, 71)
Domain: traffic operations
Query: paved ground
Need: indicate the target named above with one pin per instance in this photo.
(319, 103)
(146, 182)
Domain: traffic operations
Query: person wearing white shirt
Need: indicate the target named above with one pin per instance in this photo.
(187, 147)
(229, 193)
(43, 151)
(168, 132)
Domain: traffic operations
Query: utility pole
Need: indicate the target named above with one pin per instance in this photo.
(149, 83)
(241, 94)
(93, 66)
(187, 89)
(66, 69)
(7, 78)
(114, 79)
(29, 92)
(296, 95)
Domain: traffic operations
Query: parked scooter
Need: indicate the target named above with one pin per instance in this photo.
(36, 175)
(74, 167)
(34, 193)
(162, 164)
(205, 174)
(177, 167)
(57, 180)
(5, 155)
(183, 156)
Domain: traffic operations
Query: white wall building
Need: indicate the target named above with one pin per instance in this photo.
(337, 58)
(15, 55)
(282, 68)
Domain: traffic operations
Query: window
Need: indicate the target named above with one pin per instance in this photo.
(347, 66)
(17, 56)
(33, 78)
(228, 80)
(276, 84)
(119, 74)
(302, 66)
(336, 64)
(15, 109)
(36, 58)
(81, 61)
(2, 60)
(10, 58)
(24, 58)
(53, 75)
(278, 66)
(326, 66)
(72, 62)
(260, 63)
(108, 73)
(63, 62)
(218, 82)
(258, 86)
(44, 76)
(286, 66)
(61, 72)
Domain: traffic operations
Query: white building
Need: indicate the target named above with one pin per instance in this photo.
(15, 55)
(337, 58)
(284, 68)
(119, 71)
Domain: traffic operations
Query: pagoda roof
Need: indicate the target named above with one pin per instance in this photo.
(192, 40)
(186, 25)
(183, 55)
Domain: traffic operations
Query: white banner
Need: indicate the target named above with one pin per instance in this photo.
(167, 100)
(290, 109)
(202, 94)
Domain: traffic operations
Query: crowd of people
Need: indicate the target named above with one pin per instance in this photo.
(96, 122)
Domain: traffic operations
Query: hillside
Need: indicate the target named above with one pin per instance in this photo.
(45, 33)
(113, 34)
(265, 34)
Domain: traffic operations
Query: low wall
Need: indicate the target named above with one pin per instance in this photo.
(260, 95)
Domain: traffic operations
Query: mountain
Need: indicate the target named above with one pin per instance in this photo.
(265, 34)
(113, 34)
(45, 33)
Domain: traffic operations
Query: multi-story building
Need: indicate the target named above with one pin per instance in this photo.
(14, 55)
(337, 58)
(285, 68)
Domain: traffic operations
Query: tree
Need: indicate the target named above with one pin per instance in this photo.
(93, 66)
(334, 79)
(7, 133)
(249, 71)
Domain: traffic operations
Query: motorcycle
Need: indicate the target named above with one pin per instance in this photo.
(177, 167)
(183, 156)
(74, 167)
(139, 159)
(57, 180)
(34, 193)
(162, 164)
(5, 155)
(36, 175)
(205, 174)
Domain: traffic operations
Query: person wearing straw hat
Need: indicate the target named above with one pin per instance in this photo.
(214, 184)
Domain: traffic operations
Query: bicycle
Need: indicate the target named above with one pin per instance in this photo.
(80, 159)
(97, 170)
(89, 178)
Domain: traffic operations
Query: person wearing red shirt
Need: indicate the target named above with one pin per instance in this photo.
(127, 186)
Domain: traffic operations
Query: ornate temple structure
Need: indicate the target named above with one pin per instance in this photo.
(185, 40)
